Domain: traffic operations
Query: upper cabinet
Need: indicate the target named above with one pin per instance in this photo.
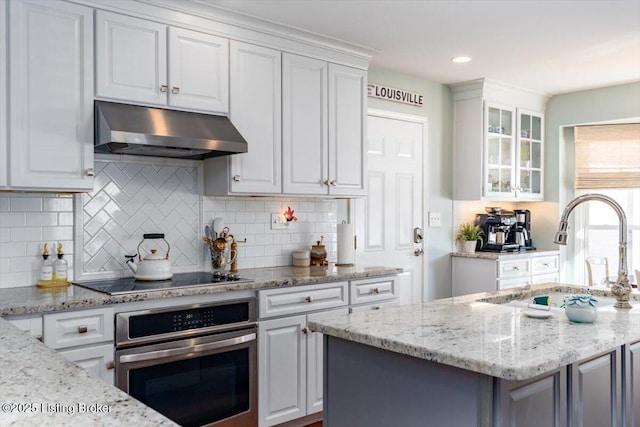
(498, 142)
(319, 150)
(51, 100)
(150, 63)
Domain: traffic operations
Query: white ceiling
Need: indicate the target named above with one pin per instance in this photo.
(550, 46)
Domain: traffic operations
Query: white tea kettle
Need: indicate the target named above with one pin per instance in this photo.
(154, 266)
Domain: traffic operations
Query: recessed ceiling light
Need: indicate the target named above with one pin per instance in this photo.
(460, 59)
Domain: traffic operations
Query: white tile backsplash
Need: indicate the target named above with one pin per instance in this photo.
(133, 196)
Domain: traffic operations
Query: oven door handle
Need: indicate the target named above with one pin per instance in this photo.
(161, 354)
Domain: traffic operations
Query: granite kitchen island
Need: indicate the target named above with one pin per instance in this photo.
(475, 360)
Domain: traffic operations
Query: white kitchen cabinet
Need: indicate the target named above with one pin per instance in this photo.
(323, 127)
(146, 62)
(84, 337)
(30, 324)
(347, 115)
(498, 142)
(255, 109)
(51, 100)
(4, 178)
(631, 384)
(97, 360)
(472, 274)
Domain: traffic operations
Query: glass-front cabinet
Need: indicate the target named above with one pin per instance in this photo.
(513, 153)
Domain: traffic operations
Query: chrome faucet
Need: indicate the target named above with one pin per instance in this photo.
(621, 289)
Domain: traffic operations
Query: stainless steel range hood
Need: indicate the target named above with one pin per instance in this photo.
(146, 131)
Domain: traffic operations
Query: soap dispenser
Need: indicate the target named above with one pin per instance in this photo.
(60, 267)
(46, 268)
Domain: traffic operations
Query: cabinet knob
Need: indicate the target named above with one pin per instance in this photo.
(377, 307)
(327, 182)
(91, 172)
(164, 88)
(236, 178)
(111, 365)
(309, 299)
(82, 329)
(175, 90)
(516, 268)
(333, 182)
(305, 330)
(375, 290)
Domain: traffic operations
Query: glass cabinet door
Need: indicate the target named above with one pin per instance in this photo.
(530, 155)
(500, 151)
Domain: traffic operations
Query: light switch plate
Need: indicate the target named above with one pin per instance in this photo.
(278, 222)
(434, 219)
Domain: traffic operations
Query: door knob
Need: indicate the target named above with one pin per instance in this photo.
(418, 252)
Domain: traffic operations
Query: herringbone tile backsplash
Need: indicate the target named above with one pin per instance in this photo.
(133, 196)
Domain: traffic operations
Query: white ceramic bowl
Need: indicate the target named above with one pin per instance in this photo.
(581, 308)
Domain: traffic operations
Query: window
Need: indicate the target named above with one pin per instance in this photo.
(607, 162)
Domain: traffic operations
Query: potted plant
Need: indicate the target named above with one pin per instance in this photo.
(469, 234)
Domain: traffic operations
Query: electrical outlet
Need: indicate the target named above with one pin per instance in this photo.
(278, 222)
(434, 219)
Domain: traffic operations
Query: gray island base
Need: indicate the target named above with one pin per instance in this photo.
(478, 362)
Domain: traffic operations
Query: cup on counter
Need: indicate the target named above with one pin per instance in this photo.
(301, 258)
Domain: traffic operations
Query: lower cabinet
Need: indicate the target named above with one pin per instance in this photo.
(290, 367)
(84, 337)
(631, 390)
(31, 325)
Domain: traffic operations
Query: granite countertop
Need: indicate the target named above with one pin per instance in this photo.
(40, 387)
(32, 300)
(475, 333)
(496, 255)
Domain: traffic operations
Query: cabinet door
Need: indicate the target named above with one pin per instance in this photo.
(131, 59)
(632, 385)
(4, 163)
(541, 401)
(282, 358)
(530, 155)
(595, 385)
(255, 109)
(198, 71)
(499, 171)
(51, 102)
(304, 125)
(315, 357)
(98, 360)
(347, 114)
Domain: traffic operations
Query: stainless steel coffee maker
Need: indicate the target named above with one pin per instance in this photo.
(498, 226)
(522, 229)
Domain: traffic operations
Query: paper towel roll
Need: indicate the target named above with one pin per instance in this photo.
(346, 246)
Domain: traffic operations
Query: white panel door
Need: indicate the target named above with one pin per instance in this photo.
(255, 109)
(4, 161)
(347, 115)
(51, 103)
(386, 218)
(131, 59)
(198, 71)
(282, 381)
(315, 357)
(304, 125)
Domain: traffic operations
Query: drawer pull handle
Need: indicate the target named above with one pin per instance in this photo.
(377, 307)
(110, 365)
(375, 290)
(236, 178)
(175, 90)
(82, 329)
(164, 88)
(309, 299)
(516, 268)
(305, 330)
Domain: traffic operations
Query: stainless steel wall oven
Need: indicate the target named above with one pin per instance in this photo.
(195, 364)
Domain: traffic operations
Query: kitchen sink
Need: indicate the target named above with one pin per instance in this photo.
(556, 301)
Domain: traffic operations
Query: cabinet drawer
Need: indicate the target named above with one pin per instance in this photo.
(372, 290)
(97, 360)
(545, 264)
(70, 329)
(279, 302)
(514, 268)
(545, 278)
(372, 307)
(513, 283)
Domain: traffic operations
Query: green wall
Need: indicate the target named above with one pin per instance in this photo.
(438, 109)
(603, 105)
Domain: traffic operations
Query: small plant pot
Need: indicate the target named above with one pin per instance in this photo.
(469, 246)
(581, 308)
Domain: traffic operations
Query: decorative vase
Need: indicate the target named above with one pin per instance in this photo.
(581, 308)
(469, 246)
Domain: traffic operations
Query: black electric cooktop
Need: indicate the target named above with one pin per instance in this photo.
(129, 285)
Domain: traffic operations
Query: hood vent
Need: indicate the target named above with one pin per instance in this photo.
(146, 131)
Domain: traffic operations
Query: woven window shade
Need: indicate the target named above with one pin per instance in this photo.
(607, 156)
